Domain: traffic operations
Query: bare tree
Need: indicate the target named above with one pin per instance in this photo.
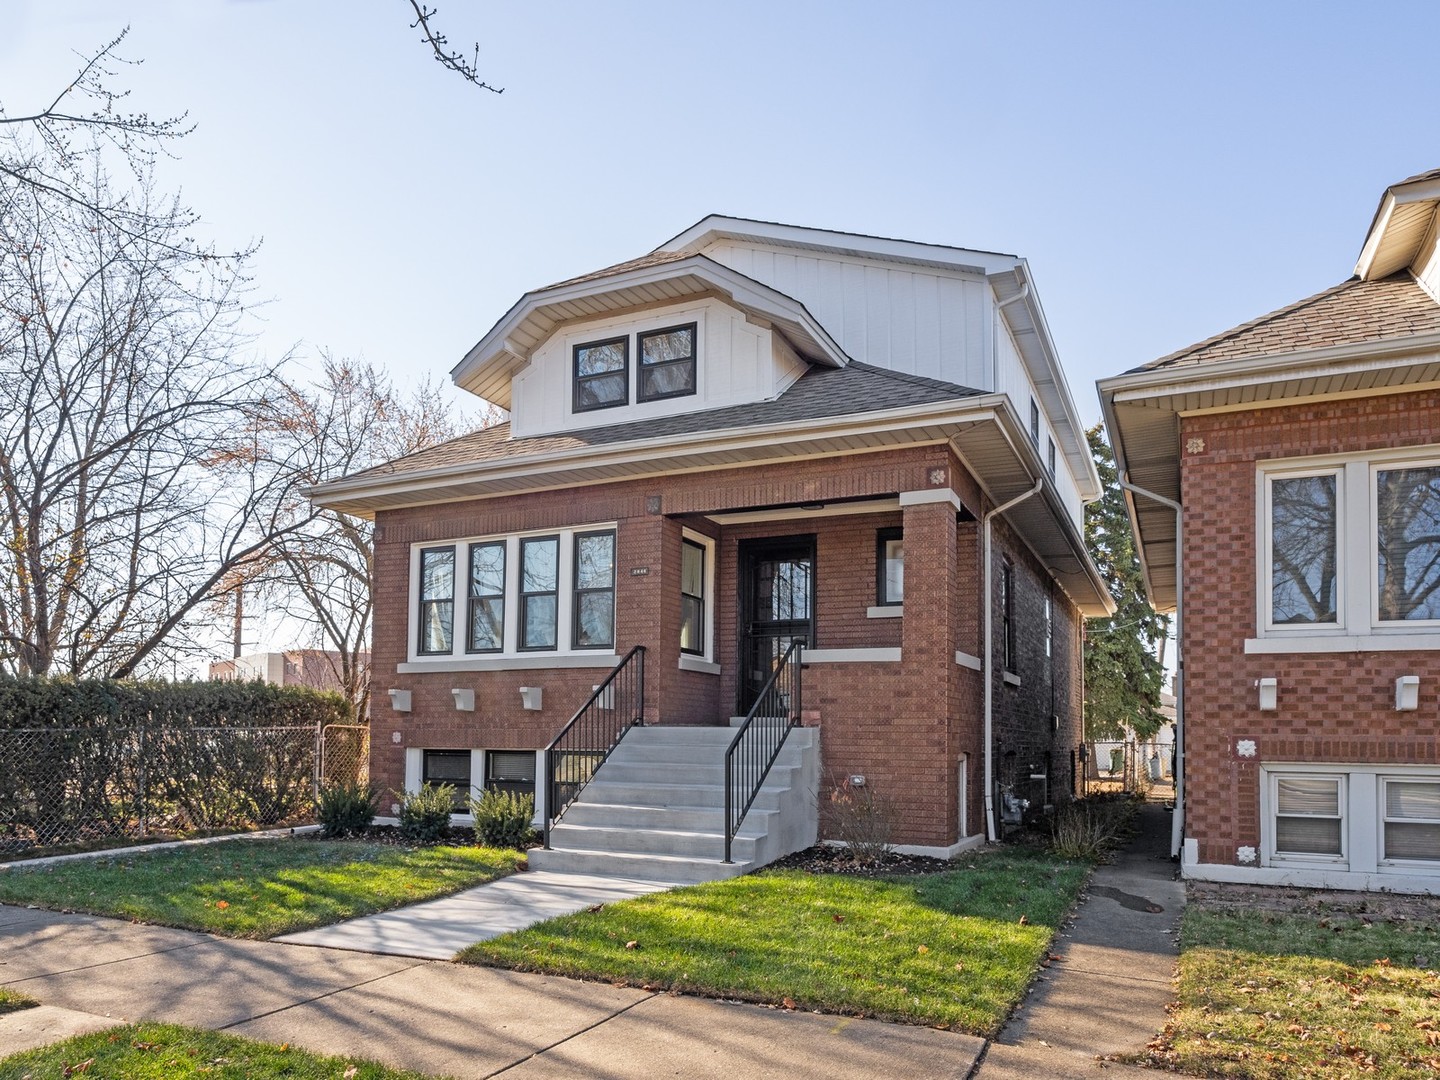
(467, 69)
(320, 572)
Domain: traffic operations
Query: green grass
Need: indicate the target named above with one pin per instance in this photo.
(255, 888)
(1288, 996)
(947, 949)
(165, 1050)
(14, 1001)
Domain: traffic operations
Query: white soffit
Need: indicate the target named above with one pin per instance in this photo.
(1403, 221)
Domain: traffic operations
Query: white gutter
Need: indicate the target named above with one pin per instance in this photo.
(1177, 823)
(1000, 306)
(989, 655)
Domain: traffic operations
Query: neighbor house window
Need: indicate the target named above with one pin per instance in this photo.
(667, 363)
(1308, 816)
(1304, 567)
(1321, 527)
(602, 374)
(1411, 811)
(1035, 423)
(692, 598)
(1007, 615)
(1407, 534)
(594, 590)
(449, 767)
(539, 591)
(487, 596)
(889, 567)
(437, 599)
(1050, 456)
(510, 770)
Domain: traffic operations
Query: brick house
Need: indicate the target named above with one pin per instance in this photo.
(754, 436)
(1304, 449)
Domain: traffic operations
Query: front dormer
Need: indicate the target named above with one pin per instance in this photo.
(642, 365)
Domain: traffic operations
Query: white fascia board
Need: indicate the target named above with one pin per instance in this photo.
(743, 290)
(1122, 469)
(967, 410)
(718, 226)
(1257, 370)
(1396, 196)
(1066, 420)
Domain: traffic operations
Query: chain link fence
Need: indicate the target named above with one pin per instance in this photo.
(64, 786)
(1126, 766)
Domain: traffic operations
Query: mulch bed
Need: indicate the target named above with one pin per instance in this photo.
(827, 859)
(391, 834)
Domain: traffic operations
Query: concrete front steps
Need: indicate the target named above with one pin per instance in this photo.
(655, 810)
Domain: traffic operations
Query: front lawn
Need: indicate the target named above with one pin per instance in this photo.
(255, 888)
(165, 1050)
(1265, 995)
(953, 949)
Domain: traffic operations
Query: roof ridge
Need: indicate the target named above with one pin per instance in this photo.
(653, 258)
(1245, 327)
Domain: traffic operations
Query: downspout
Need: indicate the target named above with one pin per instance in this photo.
(989, 654)
(1177, 824)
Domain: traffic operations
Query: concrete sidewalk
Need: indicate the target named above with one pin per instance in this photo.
(1106, 995)
(437, 1017)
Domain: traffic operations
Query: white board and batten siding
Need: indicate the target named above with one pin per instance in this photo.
(904, 318)
(737, 362)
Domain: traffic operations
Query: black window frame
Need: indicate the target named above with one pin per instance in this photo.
(884, 537)
(471, 596)
(1050, 456)
(577, 379)
(525, 596)
(691, 361)
(1007, 616)
(576, 591)
(516, 786)
(462, 792)
(420, 649)
(700, 599)
(1035, 423)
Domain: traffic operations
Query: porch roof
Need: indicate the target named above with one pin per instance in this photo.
(828, 412)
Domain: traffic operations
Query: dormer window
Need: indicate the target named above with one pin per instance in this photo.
(602, 374)
(667, 363)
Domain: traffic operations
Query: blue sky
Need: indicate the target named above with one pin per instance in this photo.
(1168, 170)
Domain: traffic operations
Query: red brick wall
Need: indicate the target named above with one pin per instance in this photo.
(1333, 707)
(905, 725)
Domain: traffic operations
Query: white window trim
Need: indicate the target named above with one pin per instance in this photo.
(511, 656)
(1358, 627)
(1362, 818)
(703, 661)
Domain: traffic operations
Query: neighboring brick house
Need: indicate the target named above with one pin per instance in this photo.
(1304, 448)
(754, 435)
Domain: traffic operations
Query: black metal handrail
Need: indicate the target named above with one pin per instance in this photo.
(573, 756)
(757, 744)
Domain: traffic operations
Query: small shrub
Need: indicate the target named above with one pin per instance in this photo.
(502, 818)
(862, 819)
(425, 815)
(346, 808)
(1087, 828)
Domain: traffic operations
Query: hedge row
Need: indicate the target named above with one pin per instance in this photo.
(36, 702)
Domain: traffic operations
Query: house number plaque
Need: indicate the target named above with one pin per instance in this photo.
(639, 571)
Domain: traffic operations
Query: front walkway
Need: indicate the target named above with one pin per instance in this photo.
(436, 1017)
(438, 929)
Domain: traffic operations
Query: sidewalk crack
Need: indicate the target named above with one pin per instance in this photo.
(572, 1035)
(317, 997)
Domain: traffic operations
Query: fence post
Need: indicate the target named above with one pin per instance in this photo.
(319, 750)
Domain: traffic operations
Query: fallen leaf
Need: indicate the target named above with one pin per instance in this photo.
(922, 949)
(1024, 920)
(595, 909)
(222, 904)
(838, 918)
(349, 1074)
(788, 1003)
(632, 944)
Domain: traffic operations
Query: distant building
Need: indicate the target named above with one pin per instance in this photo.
(315, 668)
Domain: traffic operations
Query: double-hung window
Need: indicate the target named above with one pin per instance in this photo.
(539, 592)
(594, 590)
(437, 600)
(1309, 816)
(487, 596)
(1350, 548)
(1007, 615)
(1411, 814)
(449, 767)
(667, 363)
(889, 567)
(602, 374)
(692, 598)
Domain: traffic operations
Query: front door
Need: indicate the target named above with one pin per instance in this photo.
(777, 606)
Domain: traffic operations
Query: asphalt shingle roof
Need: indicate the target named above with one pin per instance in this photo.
(1352, 312)
(819, 393)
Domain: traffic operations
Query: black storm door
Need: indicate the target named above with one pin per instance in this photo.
(777, 606)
